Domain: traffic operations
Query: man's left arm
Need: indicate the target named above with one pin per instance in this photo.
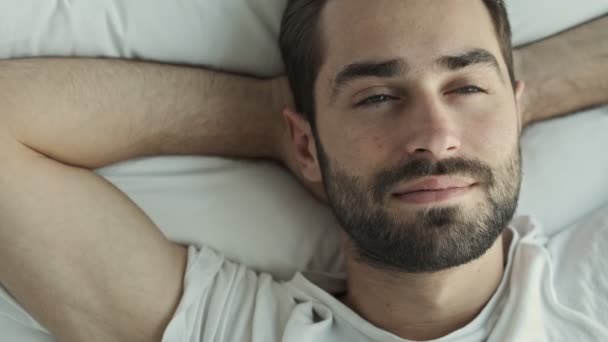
(565, 73)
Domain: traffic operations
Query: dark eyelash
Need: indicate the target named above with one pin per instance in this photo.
(375, 100)
(467, 90)
(380, 99)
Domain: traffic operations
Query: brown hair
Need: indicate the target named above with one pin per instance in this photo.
(302, 47)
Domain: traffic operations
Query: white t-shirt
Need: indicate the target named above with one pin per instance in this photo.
(535, 301)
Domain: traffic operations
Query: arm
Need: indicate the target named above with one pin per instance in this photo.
(565, 73)
(75, 251)
(91, 113)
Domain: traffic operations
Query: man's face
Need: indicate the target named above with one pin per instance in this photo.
(417, 130)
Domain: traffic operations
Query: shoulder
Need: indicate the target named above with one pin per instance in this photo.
(218, 292)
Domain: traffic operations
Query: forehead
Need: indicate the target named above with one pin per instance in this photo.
(417, 31)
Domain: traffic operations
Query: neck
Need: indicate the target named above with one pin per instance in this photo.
(424, 306)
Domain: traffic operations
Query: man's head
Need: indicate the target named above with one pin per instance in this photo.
(410, 117)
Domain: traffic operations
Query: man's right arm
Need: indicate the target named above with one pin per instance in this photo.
(77, 253)
(146, 109)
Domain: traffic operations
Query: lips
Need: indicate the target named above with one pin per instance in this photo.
(439, 183)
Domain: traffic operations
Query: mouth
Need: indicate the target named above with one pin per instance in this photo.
(435, 190)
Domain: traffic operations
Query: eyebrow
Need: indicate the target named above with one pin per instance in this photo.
(381, 69)
(396, 67)
(469, 58)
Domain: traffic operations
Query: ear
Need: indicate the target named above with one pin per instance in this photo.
(520, 88)
(303, 145)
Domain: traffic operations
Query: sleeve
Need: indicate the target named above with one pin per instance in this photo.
(16, 324)
(225, 301)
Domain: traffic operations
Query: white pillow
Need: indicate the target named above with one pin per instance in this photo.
(565, 167)
(237, 35)
(254, 212)
(275, 226)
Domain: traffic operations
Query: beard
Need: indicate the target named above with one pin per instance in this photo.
(422, 240)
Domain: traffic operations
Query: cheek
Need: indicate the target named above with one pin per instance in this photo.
(494, 137)
(359, 150)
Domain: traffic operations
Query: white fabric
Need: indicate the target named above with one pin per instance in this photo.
(565, 169)
(17, 325)
(554, 289)
(538, 298)
(238, 35)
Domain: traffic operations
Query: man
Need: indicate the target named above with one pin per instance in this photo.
(408, 113)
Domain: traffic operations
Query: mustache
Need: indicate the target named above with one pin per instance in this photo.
(420, 168)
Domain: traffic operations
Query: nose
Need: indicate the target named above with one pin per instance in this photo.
(432, 131)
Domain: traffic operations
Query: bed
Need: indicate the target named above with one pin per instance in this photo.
(187, 196)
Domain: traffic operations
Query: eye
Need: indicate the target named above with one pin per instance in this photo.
(469, 90)
(375, 100)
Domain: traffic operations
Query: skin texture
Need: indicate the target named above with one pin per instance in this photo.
(566, 72)
(426, 113)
